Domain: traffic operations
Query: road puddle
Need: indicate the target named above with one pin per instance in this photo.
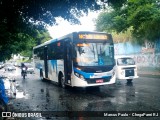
(21, 95)
(11, 89)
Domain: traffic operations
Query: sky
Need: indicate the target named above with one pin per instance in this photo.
(64, 27)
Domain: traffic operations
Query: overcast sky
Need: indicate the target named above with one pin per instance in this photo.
(64, 27)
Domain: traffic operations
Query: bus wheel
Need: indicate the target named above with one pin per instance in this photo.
(62, 80)
(129, 80)
(41, 75)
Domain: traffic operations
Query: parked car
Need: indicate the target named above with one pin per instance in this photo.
(30, 69)
(9, 67)
(126, 68)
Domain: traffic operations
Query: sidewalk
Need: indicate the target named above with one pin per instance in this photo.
(149, 72)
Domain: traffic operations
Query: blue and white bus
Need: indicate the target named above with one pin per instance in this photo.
(79, 59)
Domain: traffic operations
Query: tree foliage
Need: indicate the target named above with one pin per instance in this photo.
(21, 19)
(115, 4)
(41, 36)
(142, 17)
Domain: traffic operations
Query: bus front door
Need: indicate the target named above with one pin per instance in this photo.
(67, 60)
(45, 61)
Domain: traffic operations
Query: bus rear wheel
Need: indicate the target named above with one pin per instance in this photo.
(62, 81)
(41, 75)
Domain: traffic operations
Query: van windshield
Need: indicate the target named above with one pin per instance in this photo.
(125, 61)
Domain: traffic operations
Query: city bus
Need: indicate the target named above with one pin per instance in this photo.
(78, 59)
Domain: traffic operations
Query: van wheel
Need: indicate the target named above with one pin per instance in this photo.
(129, 80)
(62, 81)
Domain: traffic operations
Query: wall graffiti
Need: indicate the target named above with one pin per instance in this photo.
(147, 55)
(157, 46)
(127, 48)
(147, 60)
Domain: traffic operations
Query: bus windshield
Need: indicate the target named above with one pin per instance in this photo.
(94, 54)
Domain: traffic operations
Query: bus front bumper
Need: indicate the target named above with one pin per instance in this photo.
(78, 82)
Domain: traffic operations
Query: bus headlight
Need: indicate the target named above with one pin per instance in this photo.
(114, 72)
(76, 74)
(79, 76)
(122, 72)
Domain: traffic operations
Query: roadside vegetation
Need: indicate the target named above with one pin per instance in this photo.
(23, 23)
(136, 20)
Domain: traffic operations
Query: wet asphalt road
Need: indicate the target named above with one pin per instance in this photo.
(35, 95)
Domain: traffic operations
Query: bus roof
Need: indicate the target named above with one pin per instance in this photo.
(65, 36)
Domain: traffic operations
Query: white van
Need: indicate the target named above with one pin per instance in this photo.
(126, 68)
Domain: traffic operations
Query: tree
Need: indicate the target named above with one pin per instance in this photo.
(140, 16)
(19, 19)
(41, 36)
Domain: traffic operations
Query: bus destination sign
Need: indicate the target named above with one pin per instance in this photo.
(93, 36)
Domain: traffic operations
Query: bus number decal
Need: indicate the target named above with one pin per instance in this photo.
(93, 36)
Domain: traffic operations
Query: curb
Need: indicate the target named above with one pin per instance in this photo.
(149, 75)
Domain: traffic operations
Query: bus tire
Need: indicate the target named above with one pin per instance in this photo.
(62, 81)
(41, 75)
(129, 80)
